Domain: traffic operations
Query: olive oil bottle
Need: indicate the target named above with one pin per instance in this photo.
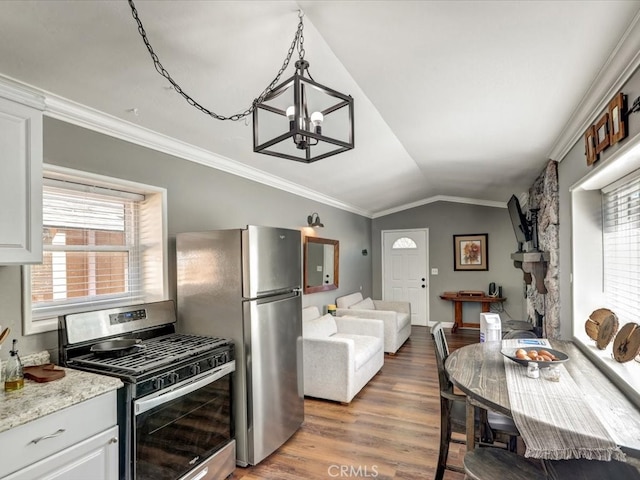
(13, 374)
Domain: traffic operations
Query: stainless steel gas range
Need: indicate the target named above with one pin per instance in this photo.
(175, 410)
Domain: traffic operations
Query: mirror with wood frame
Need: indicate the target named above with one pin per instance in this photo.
(321, 257)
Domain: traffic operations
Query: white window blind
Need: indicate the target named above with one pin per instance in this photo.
(91, 247)
(621, 248)
(104, 245)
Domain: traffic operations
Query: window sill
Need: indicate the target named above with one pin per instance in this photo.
(626, 376)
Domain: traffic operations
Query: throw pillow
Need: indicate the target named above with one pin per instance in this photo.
(366, 304)
(321, 327)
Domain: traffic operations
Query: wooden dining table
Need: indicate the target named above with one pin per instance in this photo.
(478, 370)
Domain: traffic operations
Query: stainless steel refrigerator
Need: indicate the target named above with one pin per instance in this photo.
(244, 284)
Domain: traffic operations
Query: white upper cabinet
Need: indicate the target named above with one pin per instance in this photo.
(20, 179)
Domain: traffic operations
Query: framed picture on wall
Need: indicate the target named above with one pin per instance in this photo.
(602, 133)
(471, 252)
(590, 145)
(617, 121)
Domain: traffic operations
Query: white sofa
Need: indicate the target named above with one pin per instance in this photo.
(395, 315)
(339, 356)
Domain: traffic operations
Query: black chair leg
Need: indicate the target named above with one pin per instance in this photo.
(486, 434)
(445, 438)
(513, 444)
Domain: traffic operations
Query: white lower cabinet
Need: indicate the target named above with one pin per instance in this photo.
(77, 443)
(95, 458)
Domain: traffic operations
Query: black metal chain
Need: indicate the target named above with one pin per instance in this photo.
(297, 40)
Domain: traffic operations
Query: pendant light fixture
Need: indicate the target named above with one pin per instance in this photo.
(299, 119)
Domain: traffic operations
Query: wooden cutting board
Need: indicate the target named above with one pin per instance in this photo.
(43, 373)
(601, 319)
(626, 345)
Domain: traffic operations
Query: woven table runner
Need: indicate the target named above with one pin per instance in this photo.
(554, 419)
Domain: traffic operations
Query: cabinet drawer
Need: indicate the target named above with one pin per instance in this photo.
(33, 441)
(93, 459)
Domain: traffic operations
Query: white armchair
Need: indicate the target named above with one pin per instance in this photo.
(339, 356)
(395, 315)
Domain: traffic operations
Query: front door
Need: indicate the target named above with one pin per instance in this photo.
(404, 270)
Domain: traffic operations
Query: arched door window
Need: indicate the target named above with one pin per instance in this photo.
(404, 242)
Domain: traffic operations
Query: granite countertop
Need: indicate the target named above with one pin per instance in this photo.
(38, 399)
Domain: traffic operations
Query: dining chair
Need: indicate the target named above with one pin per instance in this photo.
(519, 334)
(583, 469)
(491, 426)
(493, 463)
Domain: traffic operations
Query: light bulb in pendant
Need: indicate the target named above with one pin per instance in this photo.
(317, 119)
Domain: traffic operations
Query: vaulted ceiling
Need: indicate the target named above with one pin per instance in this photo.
(465, 99)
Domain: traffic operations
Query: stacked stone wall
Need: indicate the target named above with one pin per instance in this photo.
(544, 195)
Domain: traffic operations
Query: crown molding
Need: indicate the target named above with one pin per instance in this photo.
(621, 64)
(100, 122)
(12, 90)
(86, 117)
(441, 198)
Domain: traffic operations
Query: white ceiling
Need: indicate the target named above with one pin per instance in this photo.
(452, 98)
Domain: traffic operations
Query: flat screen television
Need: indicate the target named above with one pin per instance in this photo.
(519, 221)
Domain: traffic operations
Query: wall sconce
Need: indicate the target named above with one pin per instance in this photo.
(313, 220)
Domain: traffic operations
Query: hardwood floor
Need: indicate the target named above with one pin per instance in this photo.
(389, 431)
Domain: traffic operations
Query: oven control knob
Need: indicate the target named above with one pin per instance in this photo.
(195, 369)
(158, 383)
(173, 377)
(211, 362)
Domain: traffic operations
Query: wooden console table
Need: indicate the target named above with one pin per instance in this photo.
(458, 300)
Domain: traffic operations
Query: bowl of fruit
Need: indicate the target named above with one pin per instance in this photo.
(544, 357)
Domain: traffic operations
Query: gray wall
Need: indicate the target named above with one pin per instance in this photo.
(445, 219)
(571, 169)
(198, 198)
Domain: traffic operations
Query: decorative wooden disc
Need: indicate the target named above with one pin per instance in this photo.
(626, 345)
(595, 320)
(608, 328)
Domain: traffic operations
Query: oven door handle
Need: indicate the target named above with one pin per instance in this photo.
(147, 403)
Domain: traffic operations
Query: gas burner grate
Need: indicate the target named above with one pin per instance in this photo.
(155, 353)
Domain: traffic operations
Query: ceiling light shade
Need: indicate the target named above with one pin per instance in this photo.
(313, 220)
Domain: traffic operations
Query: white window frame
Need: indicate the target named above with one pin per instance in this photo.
(587, 260)
(157, 290)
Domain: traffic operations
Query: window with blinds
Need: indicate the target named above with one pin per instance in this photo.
(104, 246)
(621, 248)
